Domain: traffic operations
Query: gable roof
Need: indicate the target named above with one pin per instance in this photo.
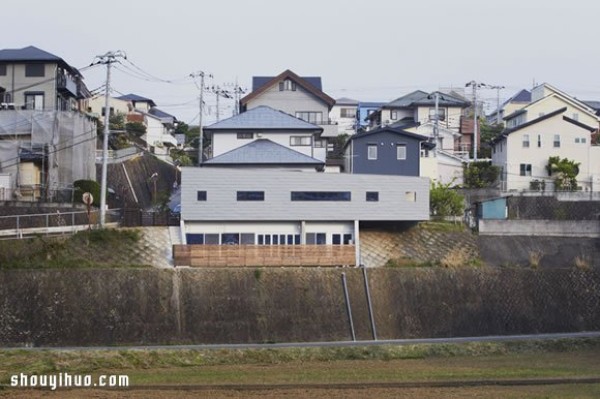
(260, 81)
(552, 114)
(263, 118)
(565, 97)
(524, 96)
(309, 85)
(384, 129)
(345, 101)
(34, 54)
(136, 98)
(263, 152)
(419, 97)
(160, 114)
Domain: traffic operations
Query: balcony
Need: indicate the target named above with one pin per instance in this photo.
(330, 128)
(66, 84)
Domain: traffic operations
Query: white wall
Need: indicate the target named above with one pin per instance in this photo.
(290, 101)
(511, 158)
(225, 142)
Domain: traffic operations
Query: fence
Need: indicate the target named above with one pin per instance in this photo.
(263, 255)
(47, 223)
(138, 217)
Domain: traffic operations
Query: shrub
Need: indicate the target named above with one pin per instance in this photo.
(443, 201)
(480, 174)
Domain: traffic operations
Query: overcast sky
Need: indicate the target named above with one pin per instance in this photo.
(371, 50)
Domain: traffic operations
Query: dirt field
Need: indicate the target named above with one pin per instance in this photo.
(580, 391)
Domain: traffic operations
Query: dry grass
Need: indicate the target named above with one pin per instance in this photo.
(458, 257)
(535, 258)
(582, 262)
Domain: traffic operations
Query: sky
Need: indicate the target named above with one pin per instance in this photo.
(375, 50)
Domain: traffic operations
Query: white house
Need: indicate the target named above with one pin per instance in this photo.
(302, 97)
(344, 114)
(266, 207)
(522, 152)
(272, 129)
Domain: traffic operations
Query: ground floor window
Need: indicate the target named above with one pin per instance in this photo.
(316, 238)
(278, 239)
(339, 239)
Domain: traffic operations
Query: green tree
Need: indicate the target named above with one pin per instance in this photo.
(487, 134)
(564, 172)
(444, 201)
(136, 128)
(480, 174)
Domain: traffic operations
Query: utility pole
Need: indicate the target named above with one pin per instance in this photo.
(497, 88)
(436, 126)
(474, 86)
(108, 59)
(201, 88)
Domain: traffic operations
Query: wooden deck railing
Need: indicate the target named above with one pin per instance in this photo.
(263, 255)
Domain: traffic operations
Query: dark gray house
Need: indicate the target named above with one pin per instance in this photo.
(385, 151)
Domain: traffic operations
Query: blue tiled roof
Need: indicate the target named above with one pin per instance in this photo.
(260, 81)
(263, 118)
(263, 151)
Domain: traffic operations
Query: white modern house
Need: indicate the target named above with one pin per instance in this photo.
(263, 207)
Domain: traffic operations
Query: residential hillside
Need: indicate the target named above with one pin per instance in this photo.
(133, 184)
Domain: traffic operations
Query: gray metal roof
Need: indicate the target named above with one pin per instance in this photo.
(345, 101)
(407, 100)
(33, 54)
(159, 113)
(136, 98)
(263, 118)
(263, 151)
(420, 97)
(260, 81)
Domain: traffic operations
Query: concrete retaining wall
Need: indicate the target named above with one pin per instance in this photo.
(554, 228)
(149, 306)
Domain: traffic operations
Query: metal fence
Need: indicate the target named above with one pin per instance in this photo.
(51, 223)
(139, 217)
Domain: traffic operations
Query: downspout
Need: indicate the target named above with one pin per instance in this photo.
(357, 243)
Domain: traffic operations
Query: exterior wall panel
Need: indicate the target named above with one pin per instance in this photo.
(222, 184)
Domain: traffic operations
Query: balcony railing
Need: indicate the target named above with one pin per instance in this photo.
(66, 83)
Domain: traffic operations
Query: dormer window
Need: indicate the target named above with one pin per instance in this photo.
(287, 85)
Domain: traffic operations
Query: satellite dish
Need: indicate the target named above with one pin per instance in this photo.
(87, 198)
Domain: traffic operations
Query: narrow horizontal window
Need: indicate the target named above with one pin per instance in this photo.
(300, 141)
(245, 136)
(372, 196)
(201, 195)
(321, 196)
(250, 195)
